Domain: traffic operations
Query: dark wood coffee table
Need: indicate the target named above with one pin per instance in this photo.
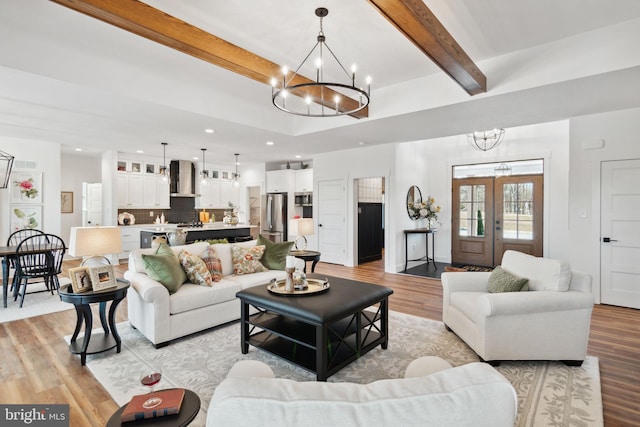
(321, 332)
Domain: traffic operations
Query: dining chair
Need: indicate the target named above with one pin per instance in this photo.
(14, 239)
(39, 256)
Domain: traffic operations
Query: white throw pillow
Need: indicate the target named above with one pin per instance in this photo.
(544, 274)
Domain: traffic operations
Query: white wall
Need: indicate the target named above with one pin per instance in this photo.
(76, 169)
(428, 164)
(46, 155)
(620, 131)
(549, 141)
(376, 161)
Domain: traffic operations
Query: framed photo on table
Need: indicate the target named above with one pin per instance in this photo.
(102, 277)
(80, 279)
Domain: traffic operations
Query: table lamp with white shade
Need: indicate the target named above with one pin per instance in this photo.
(93, 243)
(301, 227)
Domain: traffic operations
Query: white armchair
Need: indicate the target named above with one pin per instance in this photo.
(549, 322)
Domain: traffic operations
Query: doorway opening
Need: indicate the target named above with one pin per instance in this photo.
(370, 219)
(496, 207)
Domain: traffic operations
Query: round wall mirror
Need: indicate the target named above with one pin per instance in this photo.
(414, 196)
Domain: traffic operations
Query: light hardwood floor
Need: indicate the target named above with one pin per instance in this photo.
(36, 366)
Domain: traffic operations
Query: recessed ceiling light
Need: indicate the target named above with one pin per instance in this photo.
(362, 143)
(298, 156)
(139, 151)
(78, 149)
(195, 158)
(209, 130)
(269, 142)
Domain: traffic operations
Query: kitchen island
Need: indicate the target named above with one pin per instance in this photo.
(216, 230)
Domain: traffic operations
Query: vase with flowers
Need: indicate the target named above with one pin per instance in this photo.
(425, 210)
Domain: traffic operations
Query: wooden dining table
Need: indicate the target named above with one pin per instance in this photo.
(9, 252)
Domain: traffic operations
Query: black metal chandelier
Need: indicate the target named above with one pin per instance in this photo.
(319, 98)
(6, 162)
(486, 140)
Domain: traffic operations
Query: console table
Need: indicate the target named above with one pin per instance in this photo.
(427, 232)
(101, 342)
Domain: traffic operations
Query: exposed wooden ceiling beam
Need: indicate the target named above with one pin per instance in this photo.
(414, 19)
(148, 22)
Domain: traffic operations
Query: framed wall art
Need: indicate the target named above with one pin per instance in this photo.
(80, 279)
(66, 202)
(26, 187)
(102, 277)
(25, 216)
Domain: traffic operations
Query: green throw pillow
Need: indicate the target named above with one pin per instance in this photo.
(164, 266)
(503, 281)
(275, 254)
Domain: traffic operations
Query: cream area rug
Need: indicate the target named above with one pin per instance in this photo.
(549, 393)
(37, 301)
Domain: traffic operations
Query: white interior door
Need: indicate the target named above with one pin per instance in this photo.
(332, 217)
(620, 233)
(92, 204)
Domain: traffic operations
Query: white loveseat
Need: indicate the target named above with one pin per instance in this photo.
(162, 317)
(431, 394)
(549, 322)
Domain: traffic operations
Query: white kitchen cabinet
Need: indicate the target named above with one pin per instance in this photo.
(130, 190)
(130, 166)
(228, 193)
(216, 194)
(304, 180)
(280, 181)
(156, 193)
(209, 194)
(130, 236)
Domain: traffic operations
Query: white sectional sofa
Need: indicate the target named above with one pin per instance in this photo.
(431, 394)
(162, 317)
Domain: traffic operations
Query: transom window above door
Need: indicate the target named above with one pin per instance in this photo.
(520, 167)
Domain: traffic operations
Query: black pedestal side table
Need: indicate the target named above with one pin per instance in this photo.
(81, 302)
(307, 256)
(188, 411)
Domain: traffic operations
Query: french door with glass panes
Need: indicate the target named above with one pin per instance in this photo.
(494, 214)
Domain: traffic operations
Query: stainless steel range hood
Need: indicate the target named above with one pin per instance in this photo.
(183, 179)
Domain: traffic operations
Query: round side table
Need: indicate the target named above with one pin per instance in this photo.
(102, 341)
(308, 256)
(188, 411)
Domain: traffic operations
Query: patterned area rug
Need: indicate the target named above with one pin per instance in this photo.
(36, 302)
(549, 393)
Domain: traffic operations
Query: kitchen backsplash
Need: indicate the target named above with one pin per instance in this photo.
(173, 215)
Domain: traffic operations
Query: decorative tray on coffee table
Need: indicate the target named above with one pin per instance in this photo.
(313, 286)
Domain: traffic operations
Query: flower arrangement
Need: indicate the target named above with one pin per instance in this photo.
(27, 188)
(425, 209)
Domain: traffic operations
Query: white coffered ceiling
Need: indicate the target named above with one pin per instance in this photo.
(69, 78)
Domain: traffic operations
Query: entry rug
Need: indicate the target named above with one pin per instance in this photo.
(37, 301)
(549, 393)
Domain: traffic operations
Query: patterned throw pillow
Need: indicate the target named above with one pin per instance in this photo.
(503, 281)
(213, 263)
(247, 260)
(196, 269)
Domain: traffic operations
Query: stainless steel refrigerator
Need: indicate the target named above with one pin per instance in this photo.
(274, 217)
